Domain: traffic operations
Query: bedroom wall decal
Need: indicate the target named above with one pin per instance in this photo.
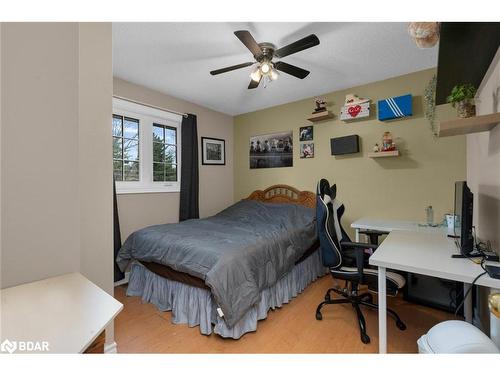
(354, 108)
(395, 107)
(213, 151)
(271, 150)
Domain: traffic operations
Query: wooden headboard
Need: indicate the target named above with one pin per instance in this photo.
(284, 194)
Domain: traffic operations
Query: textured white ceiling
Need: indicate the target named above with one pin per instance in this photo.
(176, 58)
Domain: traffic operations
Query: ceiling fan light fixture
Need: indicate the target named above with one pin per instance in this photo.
(265, 67)
(274, 75)
(256, 75)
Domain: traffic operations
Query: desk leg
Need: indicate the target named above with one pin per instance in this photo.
(357, 234)
(382, 312)
(495, 324)
(468, 313)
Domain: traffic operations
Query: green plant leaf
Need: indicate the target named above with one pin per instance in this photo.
(460, 93)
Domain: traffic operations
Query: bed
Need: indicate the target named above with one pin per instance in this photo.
(225, 272)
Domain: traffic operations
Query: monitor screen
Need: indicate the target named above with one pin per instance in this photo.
(459, 186)
(463, 217)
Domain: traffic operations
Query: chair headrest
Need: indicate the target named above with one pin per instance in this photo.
(324, 189)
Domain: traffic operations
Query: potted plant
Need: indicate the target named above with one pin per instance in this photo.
(462, 97)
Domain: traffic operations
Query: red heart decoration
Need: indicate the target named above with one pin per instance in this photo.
(354, 110)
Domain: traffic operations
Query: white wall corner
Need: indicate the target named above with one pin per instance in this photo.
(488, 75)
(0, 153)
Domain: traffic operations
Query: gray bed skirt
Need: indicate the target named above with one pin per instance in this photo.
(197, 307)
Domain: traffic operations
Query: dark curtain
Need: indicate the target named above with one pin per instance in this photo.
(189, 207)
(117, 239)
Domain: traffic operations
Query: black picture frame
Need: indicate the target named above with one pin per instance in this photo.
(205, 160)
(306, 133)
(271, 150)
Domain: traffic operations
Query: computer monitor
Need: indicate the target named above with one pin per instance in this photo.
(463, 218)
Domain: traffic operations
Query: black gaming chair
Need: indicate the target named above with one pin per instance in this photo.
(348, 260)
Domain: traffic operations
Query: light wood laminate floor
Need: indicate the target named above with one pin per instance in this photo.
(142, 328)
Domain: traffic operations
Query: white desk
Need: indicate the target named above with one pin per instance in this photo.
(426, 254)
(67, 311)
(387, 225)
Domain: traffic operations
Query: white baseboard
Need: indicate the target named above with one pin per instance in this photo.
(111, 348)
(124, 280)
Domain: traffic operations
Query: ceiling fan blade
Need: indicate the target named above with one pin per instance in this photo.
(300, 45)
(291, 69)
(229, 68)
(253, 84)
(248, 40)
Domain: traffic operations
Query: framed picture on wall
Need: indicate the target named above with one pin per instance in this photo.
(271, 150)
(306, 133)
(307, 150)
(213, 151)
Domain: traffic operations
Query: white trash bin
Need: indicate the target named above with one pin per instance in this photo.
(455, 336)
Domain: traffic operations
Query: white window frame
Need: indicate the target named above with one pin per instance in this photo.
(148, 116)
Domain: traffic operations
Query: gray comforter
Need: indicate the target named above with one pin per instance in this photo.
(238, 252)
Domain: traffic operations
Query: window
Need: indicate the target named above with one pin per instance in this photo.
(125, 148)
(164, 153)
(146, 152)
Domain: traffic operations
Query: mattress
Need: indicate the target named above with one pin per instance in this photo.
(185, 278)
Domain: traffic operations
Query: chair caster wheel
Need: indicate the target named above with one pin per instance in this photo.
(327, 297)
(368, 299)
(400, 325)
(319, 316)
(365, 338)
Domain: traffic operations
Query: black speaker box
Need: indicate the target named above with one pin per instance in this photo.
(345, 145)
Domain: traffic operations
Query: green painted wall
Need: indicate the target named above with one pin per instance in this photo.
(398, 188)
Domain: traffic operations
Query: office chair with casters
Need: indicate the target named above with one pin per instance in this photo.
(348, 261)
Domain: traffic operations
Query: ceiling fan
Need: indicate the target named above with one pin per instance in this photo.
(264, 53)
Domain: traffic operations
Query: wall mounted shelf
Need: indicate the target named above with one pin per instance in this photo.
(321, 116)
(383, 154)
(469, 125)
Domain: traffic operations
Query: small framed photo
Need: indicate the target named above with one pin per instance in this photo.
(213, 151)
(306, 133)
(306, 150)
